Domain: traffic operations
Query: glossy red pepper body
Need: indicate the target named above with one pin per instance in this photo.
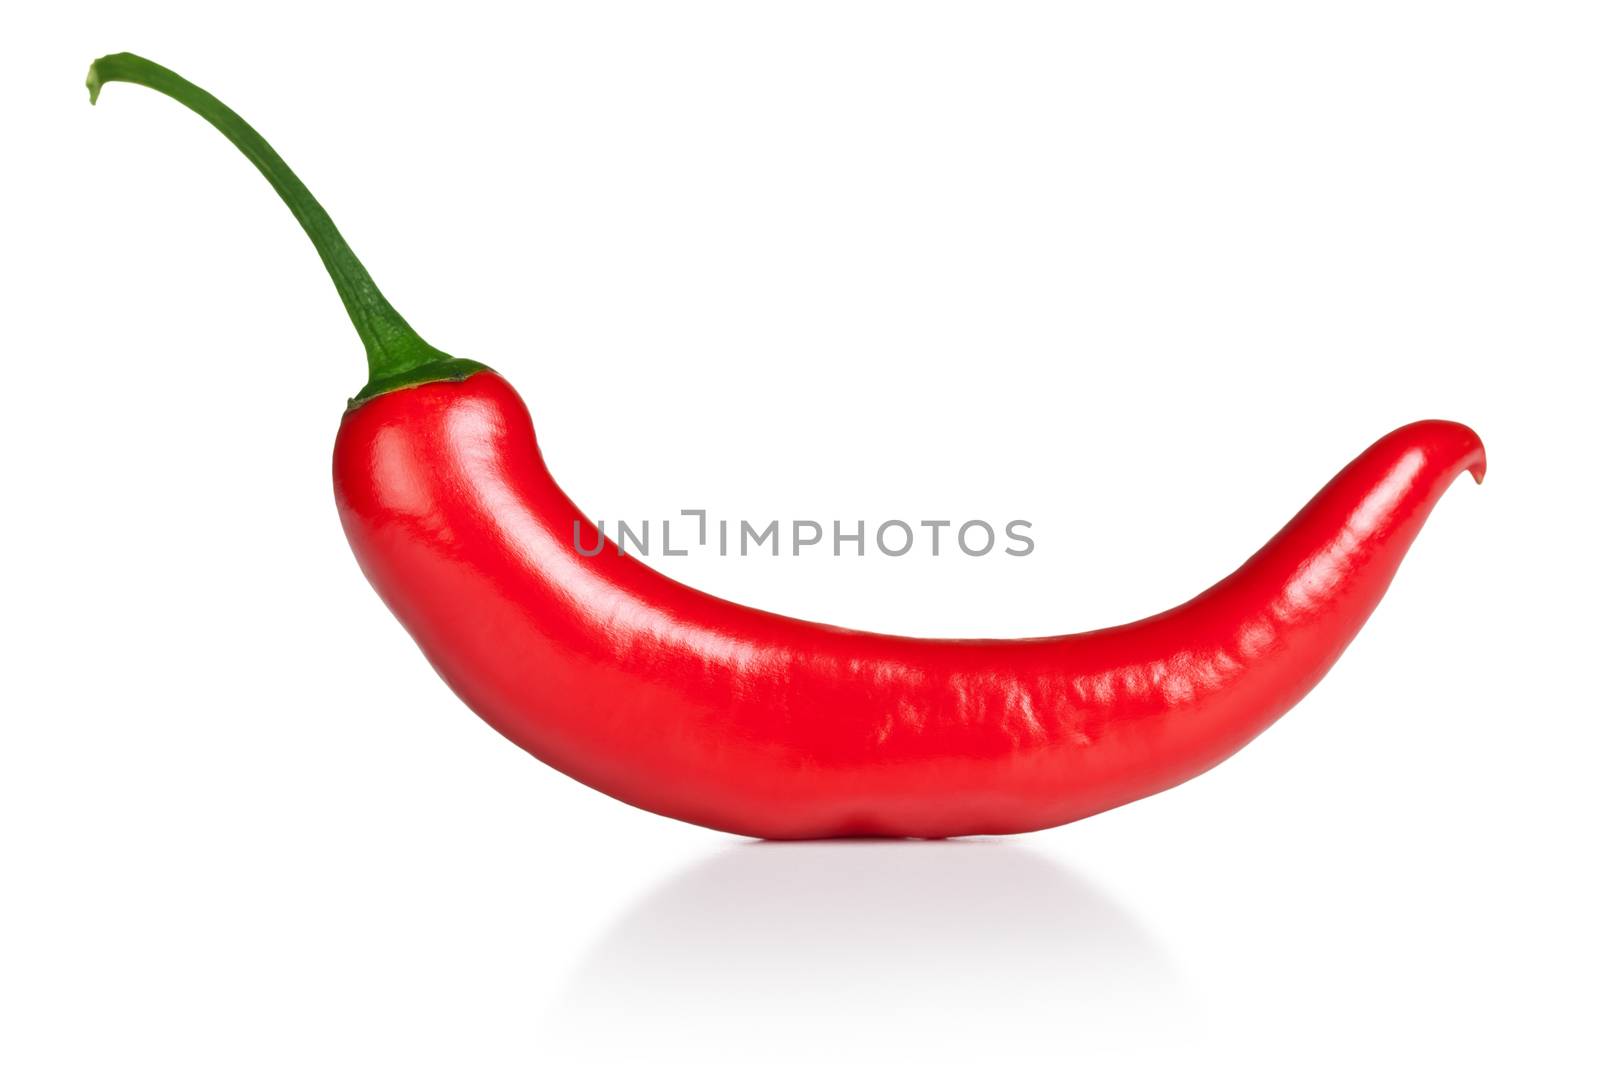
(718, 714)
(758, 724)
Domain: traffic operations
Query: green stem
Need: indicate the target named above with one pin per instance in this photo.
(397, 356)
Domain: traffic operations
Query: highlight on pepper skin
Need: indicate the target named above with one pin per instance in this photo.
(741, 720)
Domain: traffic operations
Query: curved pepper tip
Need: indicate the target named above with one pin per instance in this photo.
(1455, 442)
(1446, 449)
(1476, 460)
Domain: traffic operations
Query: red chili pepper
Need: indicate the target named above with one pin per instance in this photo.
(733, 718)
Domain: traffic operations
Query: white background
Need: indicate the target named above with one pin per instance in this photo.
(1143, 274)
